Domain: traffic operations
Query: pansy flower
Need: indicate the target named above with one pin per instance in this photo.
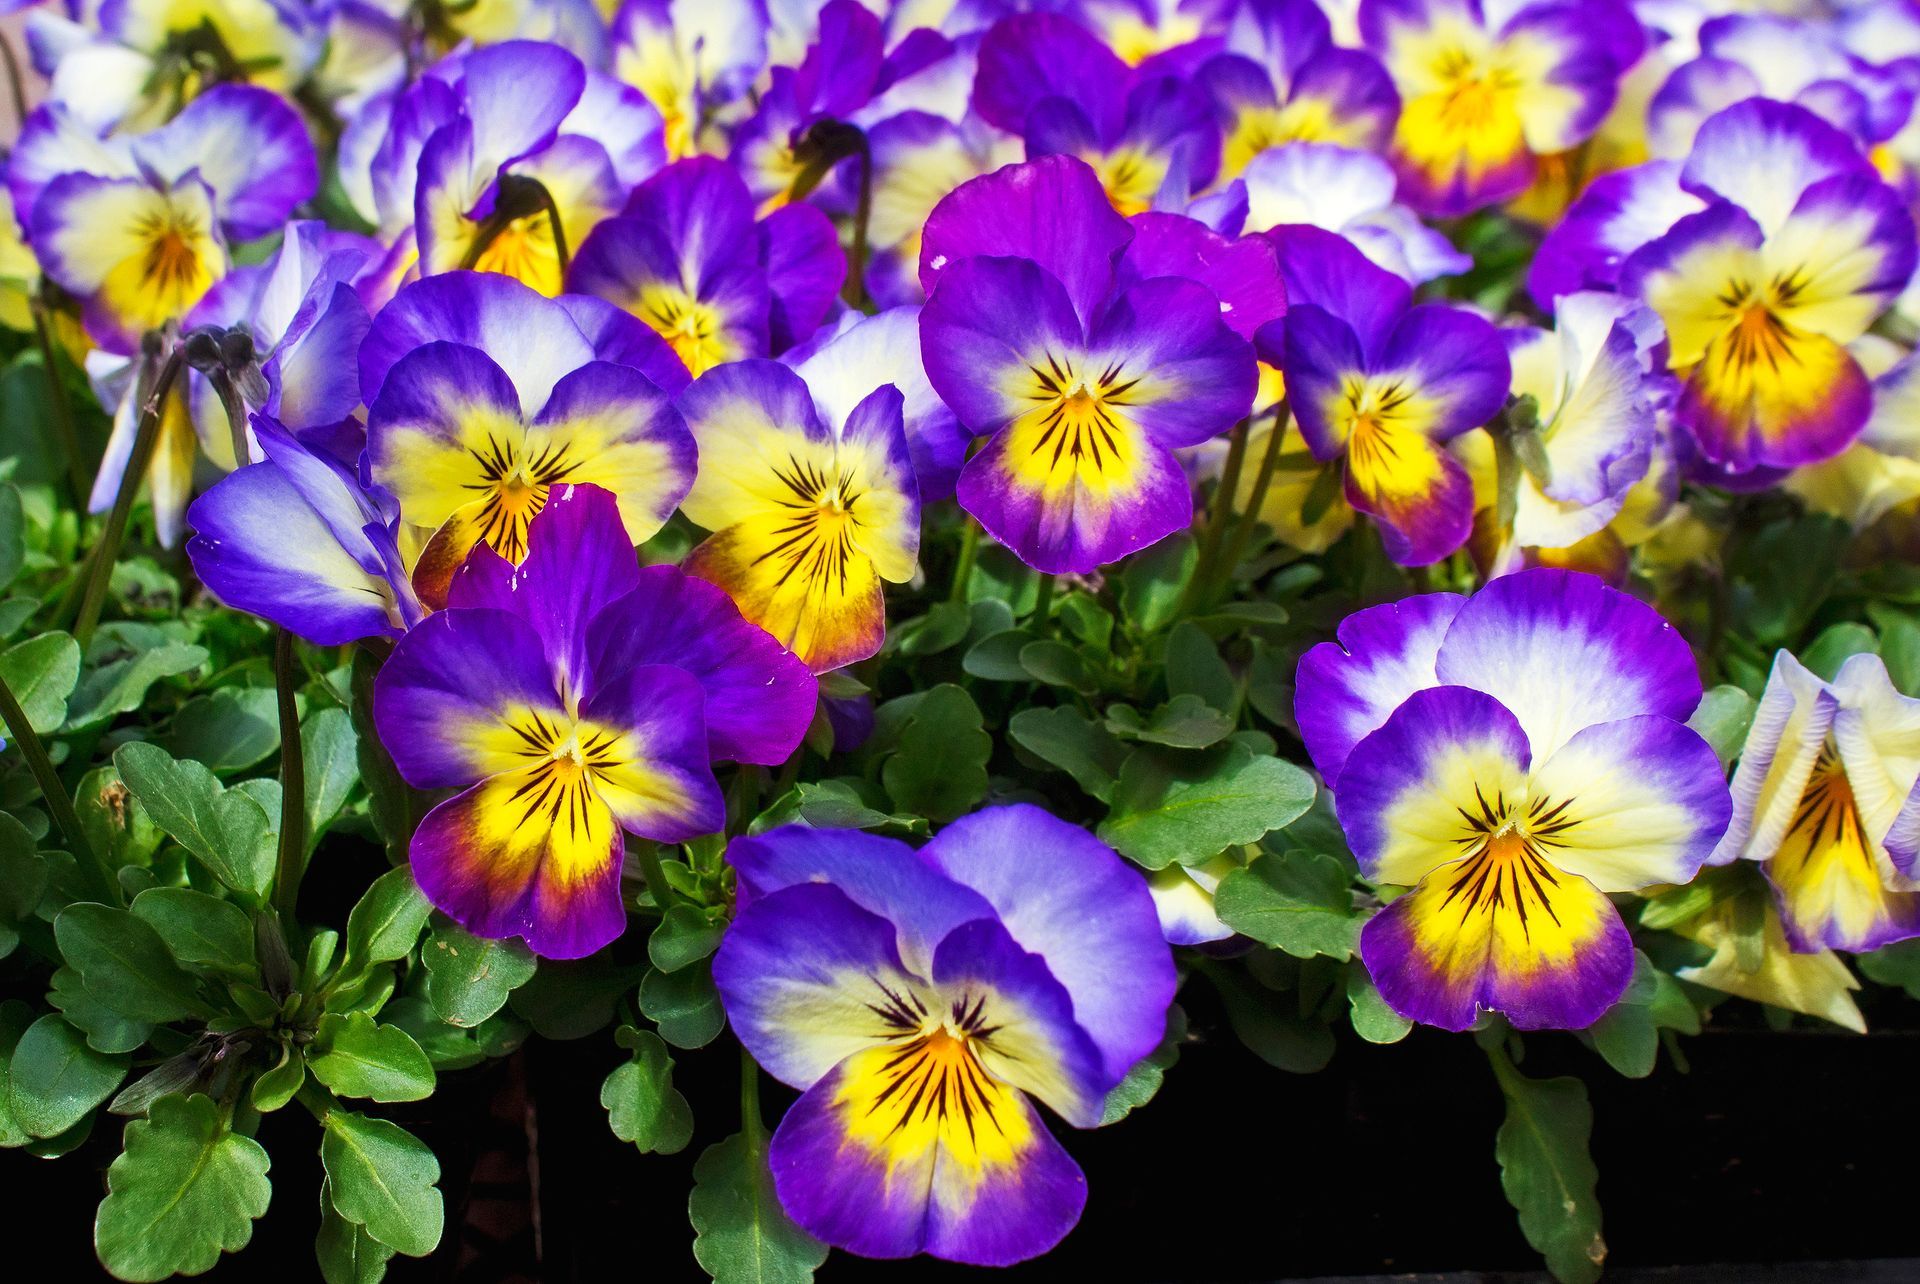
(687, 257)
(919, 1000)
(1482, 99)
(1382, 386)
(483, 395)
(1824, 797)
(1880, 472)
(918, 158)
(1595, 397)
(1283, 80)
(691, 58)
(1514, 758)
(537, 152)
(570, 699)
(1083, 386)
(137, 226)
(1798, 251)
(1764, 55)
(1817, 983)
(1049, 80)
(299, 540)
(808, 514)
(1350, 192)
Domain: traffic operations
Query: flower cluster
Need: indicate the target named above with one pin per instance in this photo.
(1409, 387)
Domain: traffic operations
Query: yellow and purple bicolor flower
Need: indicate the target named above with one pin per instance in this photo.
(531, 138)
(691, 58)
(1383, 386)
(1052, 82)
(1484, 98)
(573, 698)
(1350, 192)
(299, 540)
(1824, 798)
(1514, 758)
(1084, 384)
(1787, 59)
(1799, 249)
(919, 1000)
(1597, 381)
(688, 257)
(137, 226)
(808, 514)
(483, 396)
(133, 63)
(1282, 80)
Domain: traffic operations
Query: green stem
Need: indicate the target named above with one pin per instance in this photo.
(856, 289)
(1218, 514)
(90, 862)
(751, 1123)
(1262, 482)
(293, 785)
(100, 567)
(969, 550)
(62, 408)
(647, 854)
(1043, 605)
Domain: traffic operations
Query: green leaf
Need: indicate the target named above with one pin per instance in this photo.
(198, 929)
(13, 546)
(684, 1005)
(56, 1079)
(1184, 722)
(386, 923)
(1067, 739)
(685, 935)
(185, 1190)
(382, 1177)
(121, 686)
(226, 829)
(1826, 653)
(1058, 665)
(106, 1030)
(1628, 1033)
(643, 1106)
(346, 1253)
(1144, 1080)
(115, 823)
(275, 1088)
(572, 998)
(741, 1234)
(468, 979)
(1153, 581)
(1172, 806)
(944, 625)
(229, 730)
(1547, 1174)
(940, 768)
(394, 806)
(1194, 668)
(1722, 719)
(15, 1017)
(41, 672)
(123, 963)
(1899, 646)
(1372, 1019)
(1300, 902)
(997, 656)
(1897, 965)
(1270, 1026)
(357, 1057)
(330, 756)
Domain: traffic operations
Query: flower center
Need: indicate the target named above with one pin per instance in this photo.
(690, 327)
(514, 487)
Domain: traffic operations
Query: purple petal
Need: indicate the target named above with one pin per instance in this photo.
(805, 268)
(1345, 689)
(530, 337)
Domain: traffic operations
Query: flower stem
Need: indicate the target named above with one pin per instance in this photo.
(1043, 605)
(856, 287)
(62, 408)
(1218, 514)
(293, 784)
(95, 869)
(1250, 516)
(647, 854)
(969, 550)
(751, 1122)
(100, 567)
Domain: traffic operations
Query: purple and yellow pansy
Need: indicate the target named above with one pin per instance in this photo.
(1514, 758)
(920, 1001)
(1082, 385)
(573, 699)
